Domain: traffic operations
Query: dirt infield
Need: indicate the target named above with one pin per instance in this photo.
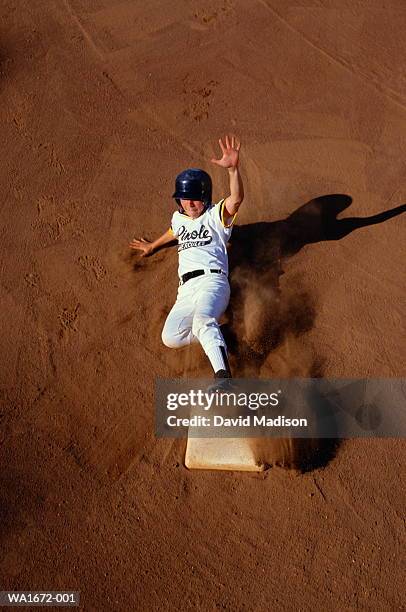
(103, 103)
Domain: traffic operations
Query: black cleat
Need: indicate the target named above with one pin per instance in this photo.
(224, 382)
(223, 374)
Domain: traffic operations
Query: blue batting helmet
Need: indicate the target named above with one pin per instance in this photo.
(193, 184)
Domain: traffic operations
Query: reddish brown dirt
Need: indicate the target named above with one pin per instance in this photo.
(103, 103)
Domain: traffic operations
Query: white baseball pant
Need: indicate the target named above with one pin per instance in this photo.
(194, 317)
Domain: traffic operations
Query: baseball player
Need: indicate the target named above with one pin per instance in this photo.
(202, 230)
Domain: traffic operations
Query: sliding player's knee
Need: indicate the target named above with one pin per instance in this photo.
(170, 339)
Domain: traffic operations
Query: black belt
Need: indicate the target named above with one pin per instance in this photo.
(185, 277)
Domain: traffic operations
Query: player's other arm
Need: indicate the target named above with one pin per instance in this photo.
(233, 202)
(148, 248)
(230, 161)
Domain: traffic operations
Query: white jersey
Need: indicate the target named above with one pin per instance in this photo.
(202, 241)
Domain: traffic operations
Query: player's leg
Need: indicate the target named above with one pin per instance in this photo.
(177, 331)
(211, 300)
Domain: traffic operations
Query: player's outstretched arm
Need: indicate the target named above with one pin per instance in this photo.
(230, 161)
(147, 247)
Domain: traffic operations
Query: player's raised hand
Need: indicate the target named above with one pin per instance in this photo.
(142, 245)
(230, 151)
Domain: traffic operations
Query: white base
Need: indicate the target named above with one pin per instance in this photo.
(222, 454)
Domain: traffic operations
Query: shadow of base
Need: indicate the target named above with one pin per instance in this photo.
(301, 454)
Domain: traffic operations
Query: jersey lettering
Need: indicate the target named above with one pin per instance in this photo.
(188, 239)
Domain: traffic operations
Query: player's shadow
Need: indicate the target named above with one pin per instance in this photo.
(266, 317)
(260, 314)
